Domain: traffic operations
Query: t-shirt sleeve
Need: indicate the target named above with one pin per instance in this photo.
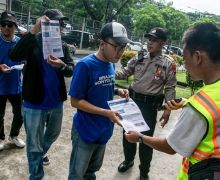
(80, 80)
(188, 132)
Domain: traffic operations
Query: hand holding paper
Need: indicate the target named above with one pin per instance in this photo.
(132, 119)
(17, 67)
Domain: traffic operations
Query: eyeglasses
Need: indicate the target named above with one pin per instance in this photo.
(9, 24)
(118, 48)
(153, 40)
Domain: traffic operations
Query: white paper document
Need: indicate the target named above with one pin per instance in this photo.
(51, 38)
(17, 67)
(132, 119)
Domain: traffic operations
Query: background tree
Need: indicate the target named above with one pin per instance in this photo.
(105, 10)
(176, 22)
(146, 18)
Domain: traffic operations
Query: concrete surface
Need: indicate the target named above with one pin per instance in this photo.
(13, 162)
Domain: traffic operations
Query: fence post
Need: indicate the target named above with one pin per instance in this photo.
(81, 40)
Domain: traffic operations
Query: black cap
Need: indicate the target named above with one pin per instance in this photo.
(158, 33)
(116, 32)
(55, 14)
(8, 16)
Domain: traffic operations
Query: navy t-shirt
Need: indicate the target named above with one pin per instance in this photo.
(93, 81)
(51, 87)
(10, 83)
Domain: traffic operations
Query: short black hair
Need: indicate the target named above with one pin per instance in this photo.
(206, 37)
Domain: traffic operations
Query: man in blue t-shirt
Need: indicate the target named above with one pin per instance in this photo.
(10, 80)
(91, 87)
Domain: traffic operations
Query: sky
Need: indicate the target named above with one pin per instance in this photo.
(211, 6)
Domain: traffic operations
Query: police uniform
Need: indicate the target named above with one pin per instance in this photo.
(154, 78)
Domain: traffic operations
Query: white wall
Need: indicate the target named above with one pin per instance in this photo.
(2, 5)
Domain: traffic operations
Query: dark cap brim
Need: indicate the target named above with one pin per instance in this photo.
(60, 18)
(9, 20)
(121, 40)
(151, 35)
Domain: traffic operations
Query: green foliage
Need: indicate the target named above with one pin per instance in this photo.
(207, 20)
(126, 56)
(177, 59)
(146, 18)
(194, 85)
(181, 77)
(176, 22)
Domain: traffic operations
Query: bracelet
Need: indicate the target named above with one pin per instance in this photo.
(140, 139)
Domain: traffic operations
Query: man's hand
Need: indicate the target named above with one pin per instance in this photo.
(114, 117)
(124, 93)
(173, 105)
(55, 62)
(4, 68)
(164, 118)
(37, 27)
(132, 136)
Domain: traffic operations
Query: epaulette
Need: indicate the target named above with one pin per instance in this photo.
(169, 58)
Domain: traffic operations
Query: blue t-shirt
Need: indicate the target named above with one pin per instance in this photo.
(10, 83)
(51, 86)
(93, 81)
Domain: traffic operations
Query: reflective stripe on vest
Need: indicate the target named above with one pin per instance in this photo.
(185, 165)
(209, 147)
(214, 111)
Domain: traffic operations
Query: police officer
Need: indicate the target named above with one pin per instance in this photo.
(154, 79)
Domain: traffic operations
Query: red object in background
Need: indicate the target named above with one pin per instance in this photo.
(173, 68)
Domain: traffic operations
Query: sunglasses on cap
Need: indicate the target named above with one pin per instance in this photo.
(9, 24)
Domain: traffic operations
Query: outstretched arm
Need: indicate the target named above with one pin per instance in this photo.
(157, 143)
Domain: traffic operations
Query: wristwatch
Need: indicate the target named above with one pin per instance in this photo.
(63, 67)
(140, 138)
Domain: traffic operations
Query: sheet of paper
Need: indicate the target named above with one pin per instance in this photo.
(132, 119)
(17, 67)
(51, 38)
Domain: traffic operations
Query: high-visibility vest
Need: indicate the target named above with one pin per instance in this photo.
(207, 102)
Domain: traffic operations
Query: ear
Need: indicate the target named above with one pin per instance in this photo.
(101, 42)
(198, 55)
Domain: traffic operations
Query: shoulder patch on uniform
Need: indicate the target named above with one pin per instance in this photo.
(168, 57)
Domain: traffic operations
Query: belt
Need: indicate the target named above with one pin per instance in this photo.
(145, 98)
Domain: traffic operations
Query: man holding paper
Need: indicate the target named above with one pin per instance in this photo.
(10, 80)
(43, 91)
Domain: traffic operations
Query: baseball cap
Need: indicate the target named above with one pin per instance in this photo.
(55, 14)
(8, 16)
(158, 33)
(116, 32)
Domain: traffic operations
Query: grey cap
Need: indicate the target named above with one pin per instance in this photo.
(116, 32)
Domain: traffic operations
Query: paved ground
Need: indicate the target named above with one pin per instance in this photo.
(13, 162)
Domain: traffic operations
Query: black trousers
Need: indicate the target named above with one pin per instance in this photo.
(145, 152)
(17, 121)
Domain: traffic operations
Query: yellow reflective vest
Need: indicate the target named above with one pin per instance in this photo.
(206, 102)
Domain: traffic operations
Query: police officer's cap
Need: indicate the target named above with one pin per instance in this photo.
(157, 33)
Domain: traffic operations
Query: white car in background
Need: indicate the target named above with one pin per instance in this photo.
(137, 46)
